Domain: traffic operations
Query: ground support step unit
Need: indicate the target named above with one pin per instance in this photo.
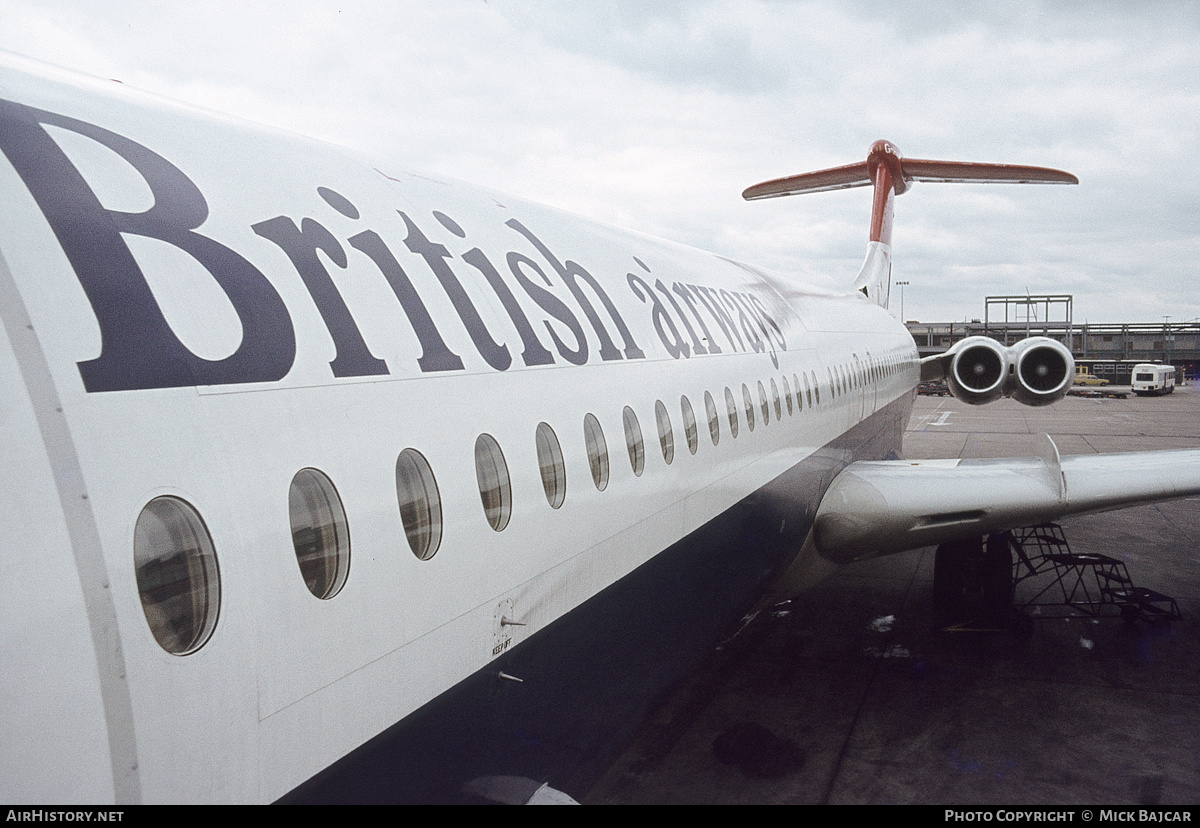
(1008, 579)
(1088, 583)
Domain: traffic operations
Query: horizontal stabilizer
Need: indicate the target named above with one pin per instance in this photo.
(974, 173)
(837, 178)
(912, 169)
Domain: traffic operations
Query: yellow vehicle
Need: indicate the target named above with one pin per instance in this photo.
(1085, 377)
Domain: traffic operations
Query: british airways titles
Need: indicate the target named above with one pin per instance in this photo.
(140, 350)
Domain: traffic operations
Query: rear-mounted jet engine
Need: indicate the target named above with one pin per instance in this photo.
(979, 370)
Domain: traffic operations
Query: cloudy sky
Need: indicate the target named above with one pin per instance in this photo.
(656, 114)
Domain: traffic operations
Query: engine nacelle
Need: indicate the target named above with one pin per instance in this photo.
(1035, 371)
(1043, 371)
(978, 369)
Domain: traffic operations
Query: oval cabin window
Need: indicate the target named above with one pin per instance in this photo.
(319, 533)
(597, 451)
(420, 504)
(714, 420)
(492, 474)
(666, 435)
(550, 461)
(633, 441)
(689, 424)
(177, 576)
(731, 407)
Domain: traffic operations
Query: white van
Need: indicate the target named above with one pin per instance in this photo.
(1151, 379)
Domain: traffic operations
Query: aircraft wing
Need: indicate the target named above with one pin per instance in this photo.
(876, 508)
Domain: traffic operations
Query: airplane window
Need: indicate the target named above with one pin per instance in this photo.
(816, 389)
(748, 401)
(762, 401)
(550, 460)
(177, 575)
(633, 440)
(787, 395)
(420, 504)
(666, 435)
(731, 406)
(775, 397)
(319, 533)
(597, 449)
(689, 424)
(714, 420)
(492, 473)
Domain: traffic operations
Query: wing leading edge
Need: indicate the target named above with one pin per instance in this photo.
(876, 508)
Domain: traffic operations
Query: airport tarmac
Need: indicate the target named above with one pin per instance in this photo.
(848, 695)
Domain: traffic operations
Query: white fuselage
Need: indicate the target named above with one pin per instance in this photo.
(223, 406)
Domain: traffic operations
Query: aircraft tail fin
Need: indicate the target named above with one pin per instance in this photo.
(891, 175)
